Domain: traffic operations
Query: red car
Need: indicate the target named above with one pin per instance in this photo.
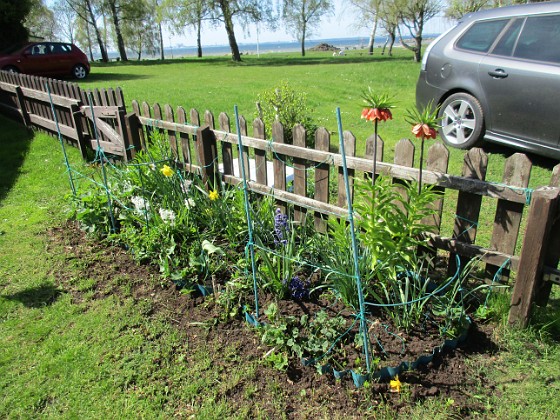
(46, 59)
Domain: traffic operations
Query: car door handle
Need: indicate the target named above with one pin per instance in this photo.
(498, 74)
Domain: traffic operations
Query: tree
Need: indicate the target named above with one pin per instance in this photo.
(244, 11)
(65, 21)
(369, 12)
(89, 11)
(142, 31)
(40, 21)
(458, 8)
(303, 16)
(413, 15)
(185, 13)
(12, 17)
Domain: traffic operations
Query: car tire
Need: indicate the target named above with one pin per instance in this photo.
(79, 71)
(462, 121)
(11, 69)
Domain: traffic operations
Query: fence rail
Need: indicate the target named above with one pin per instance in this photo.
(98, 119)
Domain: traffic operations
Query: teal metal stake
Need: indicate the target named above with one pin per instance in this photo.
(61, 142)
(363, 323)
(109, 201)
(250, 244)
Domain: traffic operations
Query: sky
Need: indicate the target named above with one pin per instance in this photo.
(342, 24)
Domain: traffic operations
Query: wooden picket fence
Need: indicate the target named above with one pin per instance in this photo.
(201, 147)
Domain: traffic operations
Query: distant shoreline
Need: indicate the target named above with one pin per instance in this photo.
(345, 44)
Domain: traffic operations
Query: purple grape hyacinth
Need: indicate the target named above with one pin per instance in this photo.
(299, 288)
(281, 228)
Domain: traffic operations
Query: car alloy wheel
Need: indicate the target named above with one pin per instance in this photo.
(462, 121)
(79, 71)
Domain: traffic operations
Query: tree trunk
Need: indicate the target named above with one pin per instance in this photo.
(162, 56)
(371, 43)
(228, 20)
(199, 39)
(118, 33)
(303, 33)
(89, 42)
(103, 50)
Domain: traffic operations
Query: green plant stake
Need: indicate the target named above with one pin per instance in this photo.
(363, 323)
(61, 142)
(103, 171)
(250, 244)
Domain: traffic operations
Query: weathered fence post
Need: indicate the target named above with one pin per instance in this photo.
(350, 148)
(553, 250)
(260, 155)
(279, 161)
(133, 130)
(508, 215)
(322, 142)
(529, 279)
(300, 171)
(468, 204)
(208, 157)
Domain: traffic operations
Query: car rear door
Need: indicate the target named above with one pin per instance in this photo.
(61, 57)
(521, 81)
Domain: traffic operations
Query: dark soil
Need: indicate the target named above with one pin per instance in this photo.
(447, 377)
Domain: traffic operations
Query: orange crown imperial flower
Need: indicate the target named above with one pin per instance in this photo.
(380, 114)
(424, 130)
(377, 106)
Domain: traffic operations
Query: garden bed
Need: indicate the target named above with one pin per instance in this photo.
(447, 376)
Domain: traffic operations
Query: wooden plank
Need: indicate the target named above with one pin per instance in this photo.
(49, 124)
(134, 144)
(158, 118)
(227, 150)
(300, 171)
(507, 221)
(207, 156)
(147, 113)
(552, 256)
(438, 160)
(185, 140)
(470, 185)
(243, 131)
(41, 96)
(260, 154)
(209, 121)
(101, 111)
(350, 148)
(278, 161)
(544, 207)
(470, 251)
(169, 116)
(370, 152)
(140, 136)
(475, 165)
(77, 124)
(107, 147)
(404, 156)
(322, 170)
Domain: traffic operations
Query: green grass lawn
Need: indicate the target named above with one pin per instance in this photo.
(92, 358)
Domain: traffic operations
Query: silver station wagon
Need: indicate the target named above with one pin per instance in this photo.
(496, 77)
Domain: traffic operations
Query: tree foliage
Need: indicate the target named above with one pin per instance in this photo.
(40, 21)
(303, 16)
(12, 20)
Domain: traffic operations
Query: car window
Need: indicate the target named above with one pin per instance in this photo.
(38, 49)
(480, 36)
(540, 39)
(507, 42)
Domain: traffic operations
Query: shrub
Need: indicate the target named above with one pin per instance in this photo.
(288, 106)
